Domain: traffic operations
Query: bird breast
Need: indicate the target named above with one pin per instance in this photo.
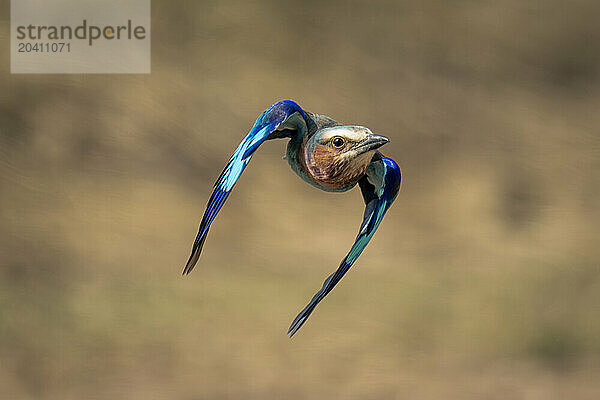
(332, 170)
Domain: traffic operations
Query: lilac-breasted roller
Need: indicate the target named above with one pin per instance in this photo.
(330, 156)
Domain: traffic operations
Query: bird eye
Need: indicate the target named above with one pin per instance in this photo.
(338, 142)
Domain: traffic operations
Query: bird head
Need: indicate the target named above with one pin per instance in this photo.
(337, 157)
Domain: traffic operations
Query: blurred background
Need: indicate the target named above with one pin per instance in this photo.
(482, 282)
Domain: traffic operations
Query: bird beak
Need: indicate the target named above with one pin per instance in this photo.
(371, 143)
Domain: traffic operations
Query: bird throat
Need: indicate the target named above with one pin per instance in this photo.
(325, 169)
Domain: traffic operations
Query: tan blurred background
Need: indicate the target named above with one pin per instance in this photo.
(482, 282)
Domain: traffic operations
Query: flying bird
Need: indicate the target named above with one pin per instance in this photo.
(327, 154)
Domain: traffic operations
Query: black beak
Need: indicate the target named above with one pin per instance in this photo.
(372, 142)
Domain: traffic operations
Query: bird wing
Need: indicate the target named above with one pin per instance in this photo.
(280, 116)
(379, 187)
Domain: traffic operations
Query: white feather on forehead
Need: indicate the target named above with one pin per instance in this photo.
(351, 133)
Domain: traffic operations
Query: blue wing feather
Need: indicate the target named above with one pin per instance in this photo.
(271, 119)
(378, 196)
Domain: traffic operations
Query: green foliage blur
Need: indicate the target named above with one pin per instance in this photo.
(482, 282)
